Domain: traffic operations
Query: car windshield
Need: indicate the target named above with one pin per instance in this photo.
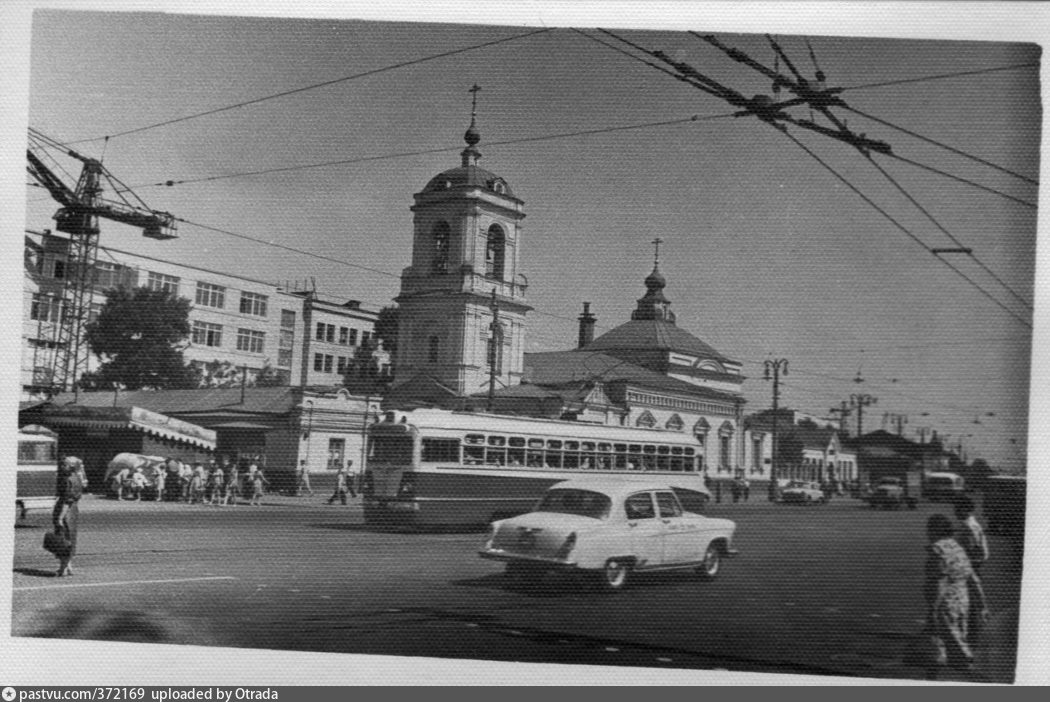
(584, 503)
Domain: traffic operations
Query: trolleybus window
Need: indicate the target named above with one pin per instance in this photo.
(441, 450)
(392, 450)
(42, 450)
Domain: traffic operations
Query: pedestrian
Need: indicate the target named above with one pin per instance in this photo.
(303, 480)
(259, 481)
(718, 491)
(950, 582)
(66, 513)
(138, 483)
(233, 484)
(340, 487)
(118, 481)
(745, 486)
(350, 479)
(197, 482)
(159, 474)
(186, 474)
(216, 489)
(971, 534)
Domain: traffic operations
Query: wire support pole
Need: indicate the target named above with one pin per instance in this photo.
(907, 232)
(773, 370)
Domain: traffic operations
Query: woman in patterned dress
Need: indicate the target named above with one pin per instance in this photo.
(68, 489)
(950, 580)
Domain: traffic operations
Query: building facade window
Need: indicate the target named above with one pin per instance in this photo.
(163, 283)
(365, 336)
(253, 304)
(46, 308)
(250, 340)
(209, 295)
(325, 332)
(442, 235)
(495, 250)
(108, 275)
(756, 453)
(323, 362)
(646, 419)
(352, 340)
(206, 334)
(288, 319)
(344, 336)
(336, 452)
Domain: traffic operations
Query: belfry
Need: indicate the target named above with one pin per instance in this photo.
(465, 249)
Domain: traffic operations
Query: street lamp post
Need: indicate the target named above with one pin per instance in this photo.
(773, 369)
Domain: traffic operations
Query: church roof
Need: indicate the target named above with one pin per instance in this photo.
(554, 368)
(467, 176)
(649, 334)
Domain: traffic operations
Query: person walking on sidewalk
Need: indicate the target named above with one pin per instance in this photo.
(65, 515)
(350, 479)
(302, 481)
(340, 487)
(259, 482)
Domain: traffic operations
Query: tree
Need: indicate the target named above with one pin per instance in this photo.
(790, 451)
(139, 336)
(386, 328)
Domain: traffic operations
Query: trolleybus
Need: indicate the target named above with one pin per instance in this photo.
(431, 467)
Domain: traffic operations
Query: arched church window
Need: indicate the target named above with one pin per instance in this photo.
(432, 349)
(494, 252)
(442, 234)
(646, 419)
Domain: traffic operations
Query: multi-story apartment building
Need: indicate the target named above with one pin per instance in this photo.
(247, 324)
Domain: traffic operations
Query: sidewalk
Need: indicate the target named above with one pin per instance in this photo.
(100, 503)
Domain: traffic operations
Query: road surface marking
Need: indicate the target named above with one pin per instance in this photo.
(124, 582)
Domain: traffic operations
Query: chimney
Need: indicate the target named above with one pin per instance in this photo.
(586, 326)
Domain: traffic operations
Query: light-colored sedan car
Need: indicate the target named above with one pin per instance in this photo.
(803, 492)
(610, 528)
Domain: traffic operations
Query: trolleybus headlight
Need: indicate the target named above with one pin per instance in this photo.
(408, 486)
(567, 547)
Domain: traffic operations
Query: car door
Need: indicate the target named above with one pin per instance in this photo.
(645, 530)
(681, 542)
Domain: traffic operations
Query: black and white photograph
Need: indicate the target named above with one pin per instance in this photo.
(529, 345)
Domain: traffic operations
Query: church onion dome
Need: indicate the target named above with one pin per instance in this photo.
(468, 176)
(653, 334)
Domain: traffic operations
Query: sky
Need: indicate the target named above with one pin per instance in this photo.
(767, 254)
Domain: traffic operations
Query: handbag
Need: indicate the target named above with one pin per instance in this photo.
(58, 544)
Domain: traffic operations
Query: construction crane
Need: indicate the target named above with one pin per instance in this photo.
(81, 209)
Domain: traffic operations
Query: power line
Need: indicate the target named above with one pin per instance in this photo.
(942, 145)
(905, 230)
(941, 76)
(955, 241)
(961, 180)
(326, 83)
(444, 149)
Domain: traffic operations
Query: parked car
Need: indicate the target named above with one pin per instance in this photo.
(891, 493)
(609, 528)
(943, 487)
(803, 492)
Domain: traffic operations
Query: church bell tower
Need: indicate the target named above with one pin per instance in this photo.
(464, 276)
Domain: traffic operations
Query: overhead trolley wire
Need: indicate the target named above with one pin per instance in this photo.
(960, 179)
(942, 145)
(445, 149)
(905, 230)
(954, 240)
(326, 83)
(941, 76)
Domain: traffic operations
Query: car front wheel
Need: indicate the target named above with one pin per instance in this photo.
(615, 574)
(711, 564)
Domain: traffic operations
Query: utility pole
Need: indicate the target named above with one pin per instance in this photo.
(495, 347)
(773, 369)
(895, 421)
(842, 412)
(859, 401)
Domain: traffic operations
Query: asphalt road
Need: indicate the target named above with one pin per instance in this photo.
(830, 589)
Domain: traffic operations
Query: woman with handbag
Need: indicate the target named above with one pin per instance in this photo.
(68, 488)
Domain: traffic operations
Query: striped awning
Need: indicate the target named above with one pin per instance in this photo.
(138, 418)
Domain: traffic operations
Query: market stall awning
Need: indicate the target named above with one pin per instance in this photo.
(138, 418)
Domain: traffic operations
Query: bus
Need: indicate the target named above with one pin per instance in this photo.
(432, 467)
(37, 470)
